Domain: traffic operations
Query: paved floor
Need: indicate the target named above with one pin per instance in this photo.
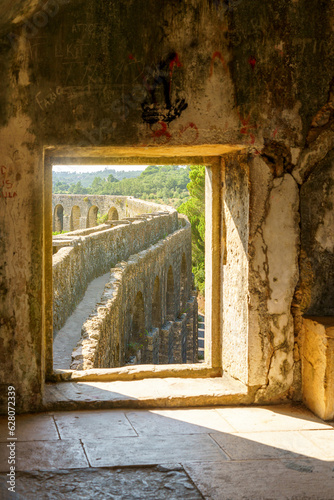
(67, 337)
(276, 452)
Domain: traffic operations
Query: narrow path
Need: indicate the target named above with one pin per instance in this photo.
(68, 336)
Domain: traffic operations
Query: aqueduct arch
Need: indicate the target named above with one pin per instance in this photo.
(58, 218)
(156, 303)
(92, 216)
(183, 283)
(170, 295)
(77, 213)
(113, 214)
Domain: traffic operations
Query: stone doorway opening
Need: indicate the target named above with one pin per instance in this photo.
(166, 330)
(212, 363)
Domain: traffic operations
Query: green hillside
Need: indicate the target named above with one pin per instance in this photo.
(163, 184)
(86, 178)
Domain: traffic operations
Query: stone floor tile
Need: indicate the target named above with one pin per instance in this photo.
(308, 479)
(94, 424)
(188, 421)
(324, 440)
(45, 455)
(150, 451)
(272, 418)
(149, 483)
(34, 427)
(267, 445)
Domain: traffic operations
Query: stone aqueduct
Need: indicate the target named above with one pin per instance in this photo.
(148, 311)
(73, 212)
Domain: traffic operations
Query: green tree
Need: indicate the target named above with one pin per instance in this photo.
(78, 188)
(60, 187)
(194, 209)
(97, 185)
(111, 178)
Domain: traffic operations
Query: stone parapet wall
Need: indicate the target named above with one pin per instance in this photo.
(105, 335)
(94, 254)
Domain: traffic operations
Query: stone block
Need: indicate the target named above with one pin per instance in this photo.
(318, 365)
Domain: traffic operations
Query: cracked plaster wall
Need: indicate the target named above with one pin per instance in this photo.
(260, 274)
(274, 272)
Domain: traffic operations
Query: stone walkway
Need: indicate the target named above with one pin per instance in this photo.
(221, 453)
(67, 337)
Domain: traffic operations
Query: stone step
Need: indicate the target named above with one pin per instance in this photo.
(147, 393)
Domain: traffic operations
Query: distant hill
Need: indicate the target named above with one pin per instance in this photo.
(86, 178)
(161, 183)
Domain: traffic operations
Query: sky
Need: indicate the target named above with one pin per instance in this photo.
(95, 168)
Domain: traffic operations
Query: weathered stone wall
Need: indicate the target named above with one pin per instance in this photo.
(195, 74)
(235, 271)
(317, 354)
(94, 254)
(317, 240)
(106, 335)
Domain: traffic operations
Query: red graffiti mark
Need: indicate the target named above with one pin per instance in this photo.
(175, 60)
(219, 56)
(6, 185)
(275, 132)
(247, 127)
(162, 132)
(252, 61)
(7, 195)
(190, 125)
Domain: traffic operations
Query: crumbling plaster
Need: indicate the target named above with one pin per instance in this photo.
(273, 280)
